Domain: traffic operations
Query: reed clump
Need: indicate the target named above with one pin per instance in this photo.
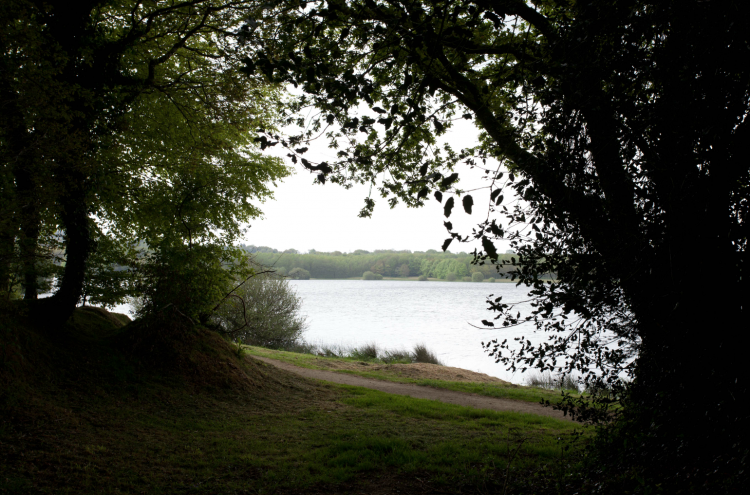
(370, 352)
(552, 382)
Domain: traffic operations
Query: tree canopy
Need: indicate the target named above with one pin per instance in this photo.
(387, 263)
(621, 126)
(125, 123)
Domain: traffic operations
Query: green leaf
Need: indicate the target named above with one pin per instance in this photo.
(439, 196)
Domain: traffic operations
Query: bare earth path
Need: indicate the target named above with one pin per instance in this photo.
(421, 392)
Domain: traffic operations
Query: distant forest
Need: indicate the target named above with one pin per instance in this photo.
(388, 263)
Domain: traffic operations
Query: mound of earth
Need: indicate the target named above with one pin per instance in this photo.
(173, 345)
(98, 353)
(417, 371)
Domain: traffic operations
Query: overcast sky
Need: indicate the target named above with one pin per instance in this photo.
(308, 216)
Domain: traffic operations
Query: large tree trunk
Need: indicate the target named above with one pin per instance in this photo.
(65, 28)
(686, 405)
(78, 244)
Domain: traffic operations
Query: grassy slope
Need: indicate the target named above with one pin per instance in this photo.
(529, 394)
(81, 413)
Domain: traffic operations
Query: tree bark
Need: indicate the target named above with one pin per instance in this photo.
(78, 243)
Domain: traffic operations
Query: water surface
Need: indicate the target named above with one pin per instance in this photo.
(399, 314)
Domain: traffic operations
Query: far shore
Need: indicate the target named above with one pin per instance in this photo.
(416, 279)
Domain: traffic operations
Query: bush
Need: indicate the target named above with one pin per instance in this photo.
(466, 279)
(368, 275)
(265, 312)
(422, 354)
(299, 274)
(477, 277)
(190, 278)
(451, 276)
(491, 280)
(422, 278)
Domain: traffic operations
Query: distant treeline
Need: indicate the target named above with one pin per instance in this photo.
(431, 264)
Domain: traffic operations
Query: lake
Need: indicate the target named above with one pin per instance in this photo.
(399, 314)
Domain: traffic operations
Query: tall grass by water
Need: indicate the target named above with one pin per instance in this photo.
(370, 352)
(552, 382)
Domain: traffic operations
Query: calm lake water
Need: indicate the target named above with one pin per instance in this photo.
(399, 314)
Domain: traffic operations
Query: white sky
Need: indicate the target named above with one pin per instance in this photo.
(308, 216)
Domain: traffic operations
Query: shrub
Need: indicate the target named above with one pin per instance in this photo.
(451, 276)
(299, 274)
(264, 311)
(466, 279)
(422, 278)
(477, 277)
(422, 354)
(190, 278)
(491, 280)
(368, 275)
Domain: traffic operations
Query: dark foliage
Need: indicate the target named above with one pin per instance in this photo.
(623, 126)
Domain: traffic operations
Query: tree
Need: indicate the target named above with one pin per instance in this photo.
(623, 128)
(477, 277)
(299, 274)
(403, 270)
(264, 311)
(128, 119)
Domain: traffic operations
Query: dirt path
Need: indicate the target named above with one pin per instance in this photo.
(421, 392)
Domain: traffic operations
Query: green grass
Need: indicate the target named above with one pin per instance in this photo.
(85, 417)
(516, 392)
(199, 445)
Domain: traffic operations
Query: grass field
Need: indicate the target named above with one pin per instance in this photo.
(509, 391)
(85, 416)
